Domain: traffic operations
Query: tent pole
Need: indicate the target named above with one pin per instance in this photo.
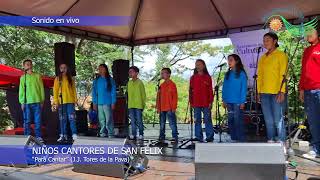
(132, 61)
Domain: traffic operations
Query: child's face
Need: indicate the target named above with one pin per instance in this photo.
(27, 65)
(132, 73)
(269, 43)
(165, 75)
(312, 36)
(199, 66)
(63, 68)
(102, 70)
(231, 62)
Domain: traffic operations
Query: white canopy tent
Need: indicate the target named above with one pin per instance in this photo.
(162, 21)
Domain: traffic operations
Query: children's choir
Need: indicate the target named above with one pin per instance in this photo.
(270, 73)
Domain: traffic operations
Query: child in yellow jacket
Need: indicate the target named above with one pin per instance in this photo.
(65, 98)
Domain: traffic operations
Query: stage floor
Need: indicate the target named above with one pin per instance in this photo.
(158, 170)
(175, 164)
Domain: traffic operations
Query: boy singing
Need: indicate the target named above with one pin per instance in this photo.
(31, 98)
(136, 102)
(167, 100)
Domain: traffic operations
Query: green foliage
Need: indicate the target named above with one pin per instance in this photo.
(5, 119)
(17, 44)
(172, 55)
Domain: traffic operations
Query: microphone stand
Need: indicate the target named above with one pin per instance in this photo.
(254, 114)
(97, 96)
(254, 93)
(158, 98)
(25, 87)
(25, 98)
(61, 105)
(191, 139)
(284, 80)
(218, 115)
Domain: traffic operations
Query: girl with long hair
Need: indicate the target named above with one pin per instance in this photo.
(201, 99)
(65, 98)
(104, 100)
(234, 94)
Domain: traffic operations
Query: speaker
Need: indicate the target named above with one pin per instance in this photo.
(241, 161)
(120, 70)
(82, 121)
(120, 116)
(113, 170)
(64, 54)
(16, 145)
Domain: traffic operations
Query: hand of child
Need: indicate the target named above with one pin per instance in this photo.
(301, 96)
(95, 107)
(224, 105)
(242, 106)
(280, 98)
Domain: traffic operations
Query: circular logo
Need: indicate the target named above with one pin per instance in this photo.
(275, 24)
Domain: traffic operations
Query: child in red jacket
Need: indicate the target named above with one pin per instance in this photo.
(201, 99)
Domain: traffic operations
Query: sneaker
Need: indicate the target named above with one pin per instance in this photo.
(74, 137)
(284, 149)
(111, 136)
(40, 139)
(197, 139)
(270, 141)
(103, 135)
(140, 137)
(310, 155)
(131, 137)
(61, 139)
(175, 139)
(209, 140)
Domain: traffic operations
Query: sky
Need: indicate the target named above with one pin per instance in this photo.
(212, 62)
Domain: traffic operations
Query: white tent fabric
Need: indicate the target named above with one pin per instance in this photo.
(161, 21)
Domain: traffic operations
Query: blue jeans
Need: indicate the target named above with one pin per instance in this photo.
(67, 112)
(235, 122)
(207, 120)
(105, 119)
(136, 120)
(172, 122)
(312, 108)
(32, 110)
(273, 113)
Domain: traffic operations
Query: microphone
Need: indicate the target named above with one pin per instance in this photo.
(221, 65)
(259, 48)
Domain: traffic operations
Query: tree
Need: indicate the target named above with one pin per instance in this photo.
(172, 55)
(17, 44)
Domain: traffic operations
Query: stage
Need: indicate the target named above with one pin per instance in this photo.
(175, 163)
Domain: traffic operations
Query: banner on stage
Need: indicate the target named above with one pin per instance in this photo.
(76, 154)
(246, 46)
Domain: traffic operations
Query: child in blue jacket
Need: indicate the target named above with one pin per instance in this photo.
(234, 94)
